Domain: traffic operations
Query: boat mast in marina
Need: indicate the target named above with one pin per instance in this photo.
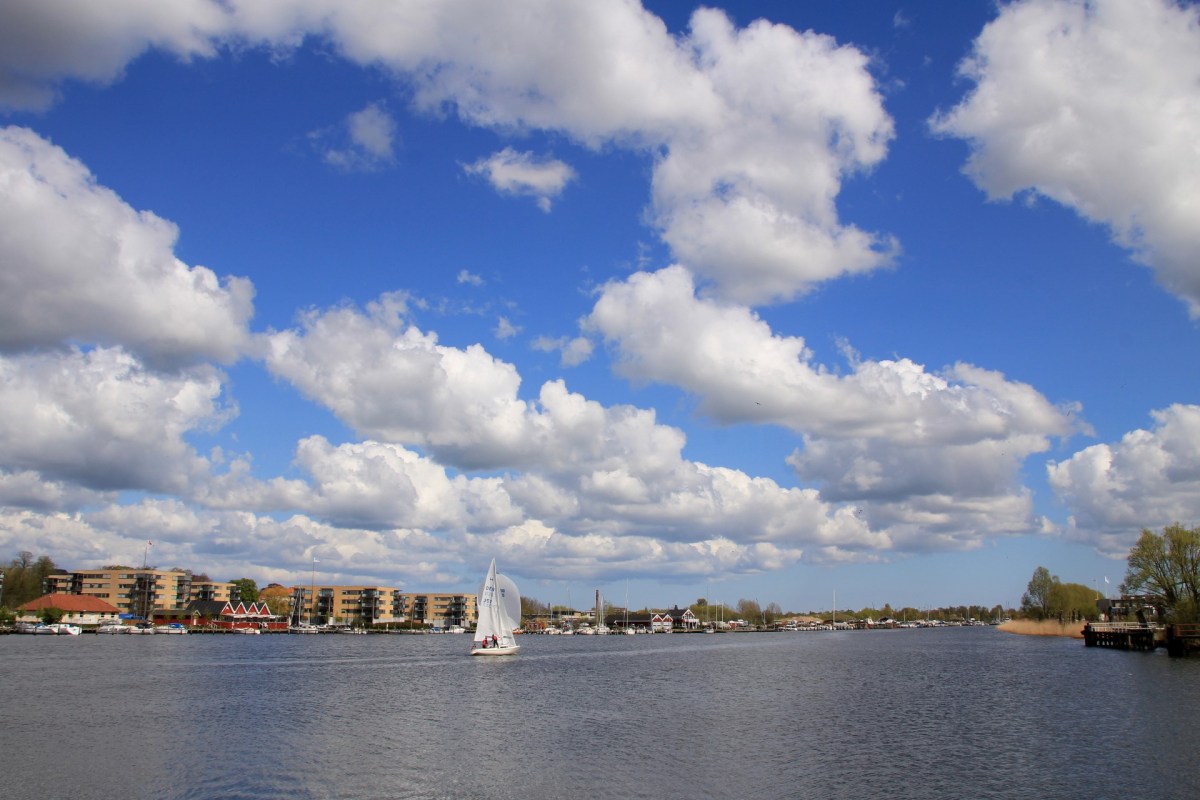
(312, 593)
(147, 582)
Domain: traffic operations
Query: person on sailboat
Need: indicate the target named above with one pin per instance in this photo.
(495, 641)
(484, 642)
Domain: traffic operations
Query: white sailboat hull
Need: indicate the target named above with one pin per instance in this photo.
(496, 651)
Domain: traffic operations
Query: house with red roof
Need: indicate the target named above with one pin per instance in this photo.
(78, 609)
(225, 615)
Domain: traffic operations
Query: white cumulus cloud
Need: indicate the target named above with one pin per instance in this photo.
(524, 174)
(1094, 106)
(752, 130)
(1148, 479)
(80, 264)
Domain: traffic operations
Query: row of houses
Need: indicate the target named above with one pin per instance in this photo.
(174, 595)
(89, 611)
(676, 619)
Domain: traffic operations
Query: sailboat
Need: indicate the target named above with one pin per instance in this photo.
(499, 606)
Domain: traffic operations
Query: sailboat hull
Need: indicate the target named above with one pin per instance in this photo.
(496, 651)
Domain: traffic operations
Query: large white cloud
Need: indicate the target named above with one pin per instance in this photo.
(392, 382)
(100, 420)
(752, 130)
(747, 198)
(80, 265)
(918, 451)
(580, 468)
(370, 485)
(44, 43)
(742, 371)
(1149, 479)
(1094, 105)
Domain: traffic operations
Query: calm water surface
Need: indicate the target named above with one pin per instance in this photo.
(950, 713)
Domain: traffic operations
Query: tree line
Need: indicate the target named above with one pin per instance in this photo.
(755, 613)
(1047, 597)
(1163, 569)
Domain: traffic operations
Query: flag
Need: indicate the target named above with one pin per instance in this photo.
(1106, 579)
(315, 560)
(149, 544)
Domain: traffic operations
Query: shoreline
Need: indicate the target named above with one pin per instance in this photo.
(1046, 627)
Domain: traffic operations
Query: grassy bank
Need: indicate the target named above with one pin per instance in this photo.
(1046, 627)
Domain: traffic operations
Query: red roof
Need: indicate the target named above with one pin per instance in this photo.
(72, 603)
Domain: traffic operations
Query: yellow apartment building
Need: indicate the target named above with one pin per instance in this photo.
(219, 591)
(381, 605)
(138, 591)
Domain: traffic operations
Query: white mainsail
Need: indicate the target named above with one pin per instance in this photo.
(499, 606)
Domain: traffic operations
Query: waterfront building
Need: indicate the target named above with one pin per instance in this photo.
(676, 619)
(381, 605)
(218, 591)
(440, 611)
(77, 609)
(323, 605)
(140, 592)
(227, 615)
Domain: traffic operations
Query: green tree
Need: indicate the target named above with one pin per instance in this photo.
(23, 578)
(1074, 601)
(1166, 567)
(52, 616)
(1037, 597)
(750, 611)
(247, 589)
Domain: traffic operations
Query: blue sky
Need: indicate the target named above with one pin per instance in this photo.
(764, 300)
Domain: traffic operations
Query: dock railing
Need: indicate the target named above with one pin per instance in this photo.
(1123, 627)
(1122, 635)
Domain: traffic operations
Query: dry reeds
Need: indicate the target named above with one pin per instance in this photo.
(1046, 627)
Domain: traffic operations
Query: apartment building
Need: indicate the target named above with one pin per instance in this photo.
(212, 591)
(380, 605)
(439, 610)
(140, 592)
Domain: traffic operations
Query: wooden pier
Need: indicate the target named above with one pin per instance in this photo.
(1123, 635)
